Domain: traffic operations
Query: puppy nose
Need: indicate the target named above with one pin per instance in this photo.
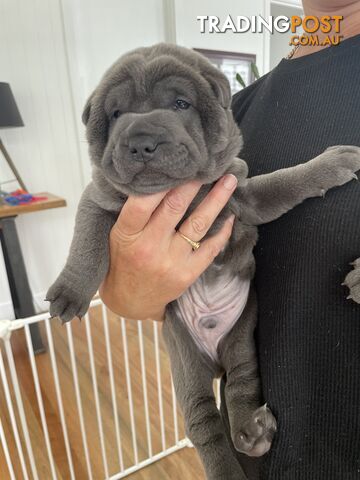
(142, 147)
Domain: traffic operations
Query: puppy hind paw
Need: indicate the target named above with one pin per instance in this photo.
(352, 281)
(255, 437)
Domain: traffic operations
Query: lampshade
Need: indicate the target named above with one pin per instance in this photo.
(9, 113)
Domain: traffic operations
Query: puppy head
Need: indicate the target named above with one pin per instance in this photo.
(160, 117)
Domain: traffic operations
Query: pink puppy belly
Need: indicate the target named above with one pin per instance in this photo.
(210, 310)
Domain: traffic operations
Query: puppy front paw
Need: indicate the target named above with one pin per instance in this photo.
(340, 164)
(352, 281)
(67, 300)
(255, 437)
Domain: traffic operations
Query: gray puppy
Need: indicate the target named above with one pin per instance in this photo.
(160, 117)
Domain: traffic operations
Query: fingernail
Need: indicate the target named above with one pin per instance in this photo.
(231, 219)
(229, 181)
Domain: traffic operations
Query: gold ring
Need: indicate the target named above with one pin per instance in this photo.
(194, 245)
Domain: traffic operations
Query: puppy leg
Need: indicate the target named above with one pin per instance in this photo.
(352, 281)
(87, 262)
(252, 426)
(193, 381)
(267, 197)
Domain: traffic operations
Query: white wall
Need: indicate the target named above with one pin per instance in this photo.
(46, 150)
(53, 53)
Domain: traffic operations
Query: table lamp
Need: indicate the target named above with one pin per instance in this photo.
(9, 117)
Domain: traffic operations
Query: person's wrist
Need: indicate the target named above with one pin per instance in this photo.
(149, 313)
(130, 308)
(158, 315)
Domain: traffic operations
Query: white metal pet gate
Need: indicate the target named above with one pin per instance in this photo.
(66, 376)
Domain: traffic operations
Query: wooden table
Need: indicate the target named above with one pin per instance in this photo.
(15, 268)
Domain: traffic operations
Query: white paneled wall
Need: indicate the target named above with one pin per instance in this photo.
(53, 52)
(46, 150)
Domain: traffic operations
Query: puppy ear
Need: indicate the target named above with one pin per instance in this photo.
(219, 85)
(87, 109)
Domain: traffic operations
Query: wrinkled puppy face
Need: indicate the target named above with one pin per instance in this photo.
(161, 117)
(156, 140)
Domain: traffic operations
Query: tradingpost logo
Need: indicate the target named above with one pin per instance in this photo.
(308, 30)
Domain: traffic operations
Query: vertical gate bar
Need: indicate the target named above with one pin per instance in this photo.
(96, 395)
(6, 452)
(158, 375)
(218, 396)
(128, 383)
(112, 386)
(59, 397)
(20, 406)
(144, 385)
(174, 405)
(40, 400)
(12, 417)
(78, 399)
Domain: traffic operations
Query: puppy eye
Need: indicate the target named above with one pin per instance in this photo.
(182, 104)
(116, 114)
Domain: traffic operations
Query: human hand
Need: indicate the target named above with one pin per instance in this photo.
(150, 264)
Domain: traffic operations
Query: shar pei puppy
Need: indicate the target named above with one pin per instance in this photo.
(160, 117)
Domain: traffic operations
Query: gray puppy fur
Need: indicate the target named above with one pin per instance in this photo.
(160, 117)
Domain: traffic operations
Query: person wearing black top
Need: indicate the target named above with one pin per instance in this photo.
(308, 333)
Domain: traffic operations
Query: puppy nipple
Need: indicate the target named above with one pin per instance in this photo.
(208, 323)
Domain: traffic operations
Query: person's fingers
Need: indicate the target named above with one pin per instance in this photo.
(210, 248)
(136, 213)
(201, 219)
(172, 208)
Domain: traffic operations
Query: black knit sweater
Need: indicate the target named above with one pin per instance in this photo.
(308, 334)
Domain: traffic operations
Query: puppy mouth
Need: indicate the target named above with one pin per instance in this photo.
(153, 181)
(169, 163)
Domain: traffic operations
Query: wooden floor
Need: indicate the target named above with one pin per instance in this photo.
(180, 465)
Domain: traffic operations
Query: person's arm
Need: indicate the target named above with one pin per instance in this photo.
(150, 264)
